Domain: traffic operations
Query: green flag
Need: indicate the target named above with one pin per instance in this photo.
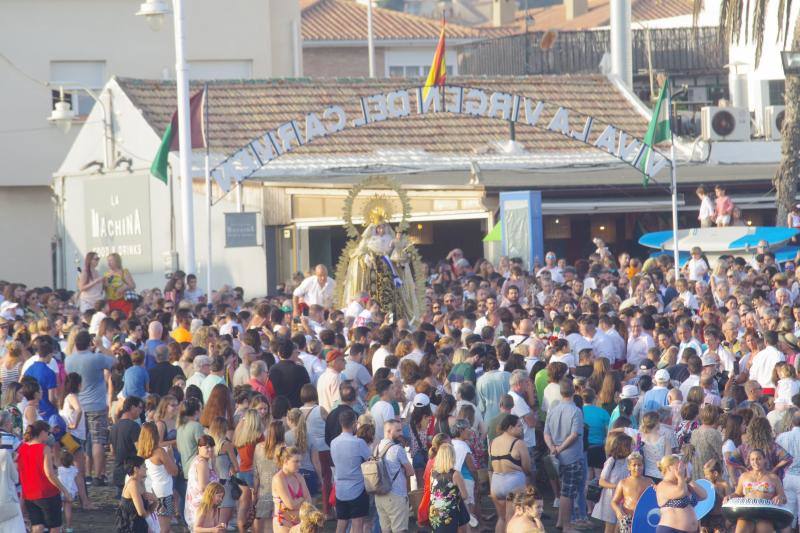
(658, 131)
(159, 167)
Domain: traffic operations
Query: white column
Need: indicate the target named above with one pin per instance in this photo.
(621, 49)
(188, 263)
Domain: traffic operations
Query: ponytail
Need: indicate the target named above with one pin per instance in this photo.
(33, 430)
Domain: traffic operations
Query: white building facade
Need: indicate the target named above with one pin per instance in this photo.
(81, 43)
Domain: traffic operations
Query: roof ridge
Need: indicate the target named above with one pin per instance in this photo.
(392, 16)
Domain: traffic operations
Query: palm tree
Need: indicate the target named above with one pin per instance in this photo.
(739, 22)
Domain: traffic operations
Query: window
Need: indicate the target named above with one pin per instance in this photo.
(777, 89)
(414, 71)
(223, 69)
(76, 74)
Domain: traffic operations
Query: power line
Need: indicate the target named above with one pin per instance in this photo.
(22, 72)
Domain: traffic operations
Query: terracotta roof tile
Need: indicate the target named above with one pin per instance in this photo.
(240, 111)
(346, 20)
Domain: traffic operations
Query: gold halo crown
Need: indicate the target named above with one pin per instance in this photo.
(378, 210)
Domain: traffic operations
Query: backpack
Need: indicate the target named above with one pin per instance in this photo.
(376, 475)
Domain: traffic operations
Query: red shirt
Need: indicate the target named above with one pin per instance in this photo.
(246, 455)
(30, 462)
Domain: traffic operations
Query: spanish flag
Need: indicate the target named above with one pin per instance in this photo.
(438, 73)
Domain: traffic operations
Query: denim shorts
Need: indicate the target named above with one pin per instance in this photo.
(312, 481)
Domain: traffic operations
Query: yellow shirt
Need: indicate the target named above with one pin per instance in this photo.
(181, 334)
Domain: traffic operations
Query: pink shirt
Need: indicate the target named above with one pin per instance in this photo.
(724, 205)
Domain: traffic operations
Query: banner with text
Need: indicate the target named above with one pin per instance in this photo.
(459, 100)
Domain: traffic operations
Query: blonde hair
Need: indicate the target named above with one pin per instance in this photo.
(218, 429)
(207, 500)
(295, 418)
(73, 332)
(666, 462)
(459, 355)
(148, 440)
(635, 456)
(284, 452)
(311, 519)
(248, 430)
(445, 458)
(15, 349)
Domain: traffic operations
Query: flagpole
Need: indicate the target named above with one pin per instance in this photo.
(370, 41)
(673, 167)
(208, 194)
(184, 139)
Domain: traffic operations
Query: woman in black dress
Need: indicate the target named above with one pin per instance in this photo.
(135, 503)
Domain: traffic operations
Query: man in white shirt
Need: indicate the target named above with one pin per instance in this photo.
(713, 340)
(382, 410)
(420, 340)
(550, 265)
(317, 289)
(313, 364)
(523, 334)
(638, 343)
(524, 396)
(385, 336)
(202, 368)
(606, 325)
(706, 214)
(601, 344)
(763, 363)
(695, 366)
(330, 380)
(684, 332)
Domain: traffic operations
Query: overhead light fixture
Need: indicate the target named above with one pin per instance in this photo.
(154, 13)
(602, 228)
(62, 114)
(558, 221)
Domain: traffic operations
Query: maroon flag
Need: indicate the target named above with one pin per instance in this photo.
(197, 117)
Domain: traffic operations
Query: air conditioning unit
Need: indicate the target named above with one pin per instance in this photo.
(773, 122)
(725, 124)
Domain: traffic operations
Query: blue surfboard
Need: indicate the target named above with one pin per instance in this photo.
(647, 513)
(705, 505)
(718, 240)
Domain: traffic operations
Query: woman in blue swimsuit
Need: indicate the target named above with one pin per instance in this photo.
(676, 496)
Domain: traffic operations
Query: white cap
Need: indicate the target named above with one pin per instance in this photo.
(661, 376)
(629, 391)
(421, 400)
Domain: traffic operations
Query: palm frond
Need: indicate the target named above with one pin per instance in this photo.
(747, 21)
(781, 9)
(697, 8)
(758, 27)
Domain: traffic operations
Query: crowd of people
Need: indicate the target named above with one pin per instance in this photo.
(588, 383)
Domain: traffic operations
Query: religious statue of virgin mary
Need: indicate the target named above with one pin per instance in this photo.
(380, 262)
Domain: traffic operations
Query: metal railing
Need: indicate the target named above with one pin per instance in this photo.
(673, 50)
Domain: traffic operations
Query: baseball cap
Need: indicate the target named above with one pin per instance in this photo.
(646, 364)
(629, 391)
(728, 404)
(6, 309)
(421, 400)
(661, 376)
(333, 355)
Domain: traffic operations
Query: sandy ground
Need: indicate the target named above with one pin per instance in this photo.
(102, 520)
